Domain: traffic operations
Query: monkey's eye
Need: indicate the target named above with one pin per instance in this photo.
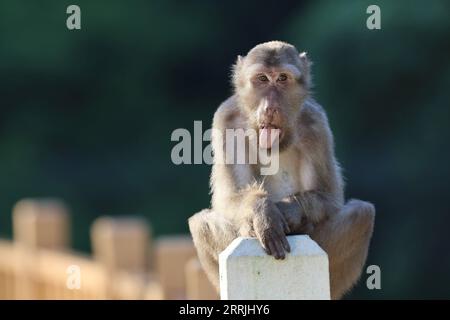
(262, 78)
(282, 77)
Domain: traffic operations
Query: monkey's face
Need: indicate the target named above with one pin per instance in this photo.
(273, 97)
(271, 83)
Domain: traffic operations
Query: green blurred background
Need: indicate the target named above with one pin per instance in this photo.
(87, 115)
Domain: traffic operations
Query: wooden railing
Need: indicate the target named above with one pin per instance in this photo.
(126, 264)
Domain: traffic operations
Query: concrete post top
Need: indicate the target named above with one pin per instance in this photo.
(300, 245)
(248, 272)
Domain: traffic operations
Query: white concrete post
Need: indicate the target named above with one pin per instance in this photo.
(247, 272)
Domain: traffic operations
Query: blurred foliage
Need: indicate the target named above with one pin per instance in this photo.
(87, 115)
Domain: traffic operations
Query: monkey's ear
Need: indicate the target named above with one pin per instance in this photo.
(235, 70)
(239, 60)
(304, 58)
(306, 67)
(237, 66)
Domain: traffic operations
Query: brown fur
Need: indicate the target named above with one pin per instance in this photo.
(306, 196)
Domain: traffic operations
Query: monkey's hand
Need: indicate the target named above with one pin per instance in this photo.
(296, 219)
(271, 228)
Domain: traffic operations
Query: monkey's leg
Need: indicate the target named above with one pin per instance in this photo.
(211, 233)
(346, 237)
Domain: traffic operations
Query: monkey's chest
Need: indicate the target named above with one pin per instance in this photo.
(293, 176)
(281, 185)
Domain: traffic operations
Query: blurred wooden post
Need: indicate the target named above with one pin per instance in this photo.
(172, 254)
(7, 270)
(37, 224)
(122, 244)
(41, 223)
(153, 291)
(198, 287)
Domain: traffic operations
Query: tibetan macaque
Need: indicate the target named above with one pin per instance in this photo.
(272, 86)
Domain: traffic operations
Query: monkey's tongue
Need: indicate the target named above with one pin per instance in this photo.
(268, 137)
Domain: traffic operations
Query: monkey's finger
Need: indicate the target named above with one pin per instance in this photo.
(285, 243)
(270, 249)
(274, 244)
(264, 243)
(280, 234)
(279, 249)
(285, 224)
(282, 240)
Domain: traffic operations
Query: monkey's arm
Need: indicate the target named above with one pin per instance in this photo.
(302, 210)
(235, 193)
(293, 212)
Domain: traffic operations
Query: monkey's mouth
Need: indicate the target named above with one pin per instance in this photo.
(269, 136)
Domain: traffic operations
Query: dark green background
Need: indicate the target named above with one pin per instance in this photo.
(87, 115)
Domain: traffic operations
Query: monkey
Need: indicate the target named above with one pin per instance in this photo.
(272, 94)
